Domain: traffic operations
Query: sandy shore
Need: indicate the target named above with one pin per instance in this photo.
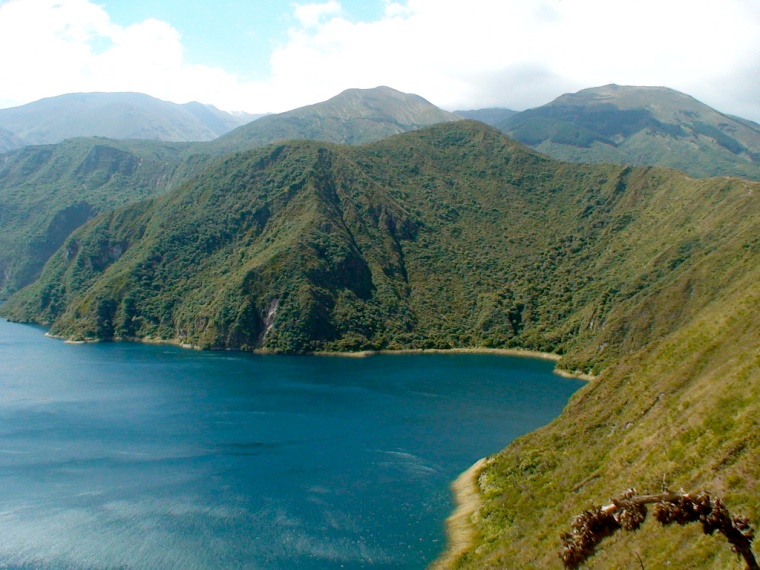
(363, 353)
(460, 533)
(502, 351)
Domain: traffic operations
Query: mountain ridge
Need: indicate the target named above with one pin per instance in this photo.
(117, 116)
(640, 125)
(374, 114)
(449, 155)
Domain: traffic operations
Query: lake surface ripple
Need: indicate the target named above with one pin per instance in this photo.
(120, 455)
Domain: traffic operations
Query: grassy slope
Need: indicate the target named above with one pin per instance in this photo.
(681, 411)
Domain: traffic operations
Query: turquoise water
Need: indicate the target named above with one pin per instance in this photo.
(119, 455)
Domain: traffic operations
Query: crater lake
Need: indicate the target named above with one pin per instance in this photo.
(126, 455)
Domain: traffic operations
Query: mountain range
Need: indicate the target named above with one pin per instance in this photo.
(652, 126)
(467, 227)
(47, 191)
(113, 115)
(447, 235)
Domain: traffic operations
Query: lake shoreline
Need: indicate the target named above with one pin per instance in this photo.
(473, 350)
(518, 352)
(460, 532)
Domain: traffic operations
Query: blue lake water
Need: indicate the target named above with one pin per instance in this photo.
(119, 455)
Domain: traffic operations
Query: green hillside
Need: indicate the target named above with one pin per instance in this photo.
(681, 412)
(470, 240)
(47, 192)
(643, 276)
(642, 126)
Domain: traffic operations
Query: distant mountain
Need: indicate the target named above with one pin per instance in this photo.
(48, 191)
(643, 126)
(492, 116)
(355, 116)
(117, 116)
(9, 141)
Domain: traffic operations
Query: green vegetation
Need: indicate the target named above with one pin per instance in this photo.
(469, 240)
(682, 411)
(456, 236)
(643, 126)
(46, 192)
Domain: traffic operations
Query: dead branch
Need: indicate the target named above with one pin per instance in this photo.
(630, 510)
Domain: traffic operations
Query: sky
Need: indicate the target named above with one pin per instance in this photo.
(265, 56)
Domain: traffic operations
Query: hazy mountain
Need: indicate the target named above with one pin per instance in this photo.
(492, 116)
(9, 141)
(117, 116)
(641, 275)
(640, 125)
(355, 116)
(219, 122)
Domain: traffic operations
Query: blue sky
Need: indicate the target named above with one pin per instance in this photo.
(236, 35)
(270, 56)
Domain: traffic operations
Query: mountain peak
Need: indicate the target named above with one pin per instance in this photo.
(354, 116)
(121, 115)
(641, 125)
(629, 97)
(382, 102)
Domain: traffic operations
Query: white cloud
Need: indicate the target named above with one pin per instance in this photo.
(514, 53)
(59, 46)
(311, 15)
(522, 53)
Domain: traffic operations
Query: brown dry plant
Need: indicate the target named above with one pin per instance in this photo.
(629, 510)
